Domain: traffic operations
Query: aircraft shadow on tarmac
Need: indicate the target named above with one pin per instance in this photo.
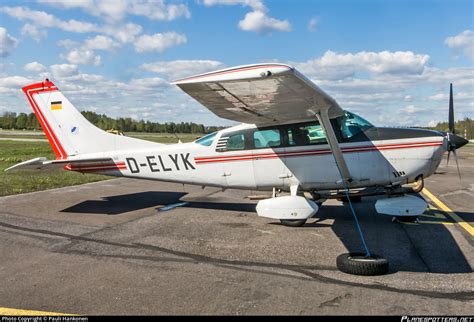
(116, 205)
(409, 247)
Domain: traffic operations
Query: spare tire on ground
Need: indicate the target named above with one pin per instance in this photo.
(360, 264)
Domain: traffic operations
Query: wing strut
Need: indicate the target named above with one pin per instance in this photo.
(342, 167)
(334, 145)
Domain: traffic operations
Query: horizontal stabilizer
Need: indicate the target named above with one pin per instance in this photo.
(45, 164)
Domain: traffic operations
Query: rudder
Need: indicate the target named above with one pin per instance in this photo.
(68, 131)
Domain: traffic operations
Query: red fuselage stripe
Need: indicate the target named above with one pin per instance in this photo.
(201, 160)
(97, 168)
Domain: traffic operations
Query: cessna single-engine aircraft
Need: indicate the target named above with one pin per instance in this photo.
(293, 138)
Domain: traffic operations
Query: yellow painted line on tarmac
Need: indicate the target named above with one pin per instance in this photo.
(434, 213)
(435, 222)
(17, 312)
(448, 211)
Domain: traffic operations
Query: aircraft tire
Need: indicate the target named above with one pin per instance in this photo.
(359, 264)
(293, 222)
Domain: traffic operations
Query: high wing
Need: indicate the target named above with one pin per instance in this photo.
(45, 164)
(260, 94)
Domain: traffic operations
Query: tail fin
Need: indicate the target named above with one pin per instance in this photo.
(68, 132)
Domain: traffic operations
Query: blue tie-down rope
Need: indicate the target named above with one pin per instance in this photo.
(367, 252)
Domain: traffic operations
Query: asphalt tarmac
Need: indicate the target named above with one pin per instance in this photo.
(141, 247)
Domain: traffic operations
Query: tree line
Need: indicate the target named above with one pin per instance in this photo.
(12, 120)
(23, 121)
(463, 127)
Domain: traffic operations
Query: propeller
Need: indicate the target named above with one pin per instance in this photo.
(454, 141)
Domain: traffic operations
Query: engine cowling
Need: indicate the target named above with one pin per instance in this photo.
(287, 207)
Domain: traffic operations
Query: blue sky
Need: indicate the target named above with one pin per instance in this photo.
(389, 61)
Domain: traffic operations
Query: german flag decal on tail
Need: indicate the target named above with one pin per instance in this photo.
(58, 105)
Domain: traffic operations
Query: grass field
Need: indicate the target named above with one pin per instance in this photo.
(21, 181)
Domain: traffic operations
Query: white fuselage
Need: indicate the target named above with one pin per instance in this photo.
(311, 167)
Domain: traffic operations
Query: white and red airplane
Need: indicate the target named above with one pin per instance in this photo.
(293, 138)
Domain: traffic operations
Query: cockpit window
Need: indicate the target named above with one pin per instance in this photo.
(207, 139)
(352, 124)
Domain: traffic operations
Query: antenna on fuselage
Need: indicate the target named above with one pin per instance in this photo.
(177, 137)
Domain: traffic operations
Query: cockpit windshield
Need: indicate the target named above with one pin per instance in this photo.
(206, 140)
(352, 124)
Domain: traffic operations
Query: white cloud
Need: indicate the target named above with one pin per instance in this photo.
(10, 86)
(82, 57)
(379, 84)
(68, 43)
(180, 68)
(410, 109)
(7, 43)
(254, 4)
(64, 70)
(158, 10)
(33, 32)
(333, 66)
(148, 83)
(258, 21)
(463, 42)
(159, 42)
(40, 20)
(100, 42)
(14, 81)
(390, 99)
(313, 23)
(43, 19)
(114, 11)
(124, 32)
(35, 67)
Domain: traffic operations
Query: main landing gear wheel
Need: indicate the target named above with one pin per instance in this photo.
(360, 264)
(419, 184)
(293, 222)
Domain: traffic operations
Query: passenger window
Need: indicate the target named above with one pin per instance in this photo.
(236, 142)
(267, 138)
(306, 135)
